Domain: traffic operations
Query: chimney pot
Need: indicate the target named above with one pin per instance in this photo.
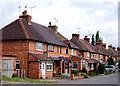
(75, 35)
(104, 45)
(49, 23)
(87, 39)
(54, 27)
(98, 43)
(110, 46)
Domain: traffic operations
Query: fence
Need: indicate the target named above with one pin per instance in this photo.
(20, 73)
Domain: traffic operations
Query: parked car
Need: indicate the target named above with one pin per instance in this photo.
(110, 68)
(96, 70)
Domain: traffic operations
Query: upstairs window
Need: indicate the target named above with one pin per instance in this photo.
(72, 51)
(67, 50)
(39, 46)
(57, 49)
(60, 49)
(88, 54)
(17, 64)
(51, 48)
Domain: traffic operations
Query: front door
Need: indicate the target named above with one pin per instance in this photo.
(43, 68)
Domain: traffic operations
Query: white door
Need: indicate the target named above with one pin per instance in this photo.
(43, 69)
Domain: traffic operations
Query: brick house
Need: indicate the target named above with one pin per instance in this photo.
(103, 52)
(33, 45)
(86, 51)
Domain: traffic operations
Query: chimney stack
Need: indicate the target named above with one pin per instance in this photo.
(87, 39)
(104, 45)
(75, 35)
(110, 46)
(26, 17)
(114, 48)
(53, 27)
(118, 49)
(98, 43)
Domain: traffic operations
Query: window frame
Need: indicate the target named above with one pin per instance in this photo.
(39, 45)
(51, 48)
(48, 65)
(73, 66)
(88, 54)
(17, 63)
(72, 51)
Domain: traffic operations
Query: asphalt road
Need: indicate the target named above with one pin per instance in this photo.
(103, 79)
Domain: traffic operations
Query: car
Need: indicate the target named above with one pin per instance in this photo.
(110, 68)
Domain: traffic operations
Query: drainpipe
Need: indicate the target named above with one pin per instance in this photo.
(28, 61)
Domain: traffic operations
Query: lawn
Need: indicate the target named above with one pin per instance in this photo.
(15, 79)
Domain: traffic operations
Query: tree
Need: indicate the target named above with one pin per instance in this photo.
(110, 61)
(97, 36)
(101, 68)
(93, 41)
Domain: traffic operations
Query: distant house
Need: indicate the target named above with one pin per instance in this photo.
(34, 45)
(87, 53)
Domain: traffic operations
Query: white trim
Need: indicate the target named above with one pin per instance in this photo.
(40, 45)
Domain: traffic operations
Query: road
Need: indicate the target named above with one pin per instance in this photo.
(103, 79)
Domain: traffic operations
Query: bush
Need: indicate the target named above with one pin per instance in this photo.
(106, 73)
(101, 68)
(54, 74)
(85, 76)
(14, 75)
(111, 61)
(59, 73)
(74, 72)
(84, 70)
(92, 73)
(81, 74)
(65, 75)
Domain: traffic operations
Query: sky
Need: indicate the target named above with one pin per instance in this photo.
(89, 16)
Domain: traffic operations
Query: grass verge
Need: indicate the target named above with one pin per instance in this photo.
(15, 79)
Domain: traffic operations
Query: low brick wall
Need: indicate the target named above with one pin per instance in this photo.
(73, 77)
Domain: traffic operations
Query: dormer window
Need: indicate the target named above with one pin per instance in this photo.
(51, 48)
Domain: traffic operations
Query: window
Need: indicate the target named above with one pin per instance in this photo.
(84, 64)
(91, 55)
(67, 50)
(39, 46)
(49, 66)
(57, 49)
(60, 49)
(75, 65)
(72, 51)
(95, 55)
(88, 54)
(17, 64)
(51, 48)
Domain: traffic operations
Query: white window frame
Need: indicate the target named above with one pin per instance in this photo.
(51, 48)
(88, 54)
(73, 65)
(72, 51)
(39, 46)
(49, 64)
(84, 63)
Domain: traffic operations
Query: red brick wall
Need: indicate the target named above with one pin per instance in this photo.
(18, 49)
(34, 70)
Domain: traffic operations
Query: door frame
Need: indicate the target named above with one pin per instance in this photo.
(43, 68)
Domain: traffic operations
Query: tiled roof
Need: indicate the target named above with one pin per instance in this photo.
(78, 57)
(112, 52)
(103, 51)
(41, 57)
(83, 45)
(20, 29)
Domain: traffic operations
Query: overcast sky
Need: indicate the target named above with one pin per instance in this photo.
(88, 15)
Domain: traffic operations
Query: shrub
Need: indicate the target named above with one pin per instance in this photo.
(59, 73)
(65, 75)
(92, 73)
(84, 70)
(111, 61)
(74, 72)
(85, 76)
(14, 75)
(54, 73)
(101, 68)
(106, 73)
(81, 74)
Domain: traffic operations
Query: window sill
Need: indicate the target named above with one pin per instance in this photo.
(39, 50)
(74, 69)
(49, 70)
